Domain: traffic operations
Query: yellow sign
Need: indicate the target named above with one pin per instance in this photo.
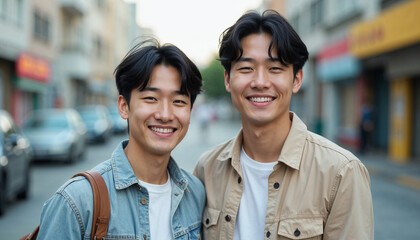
(401, 120)
(394, 28)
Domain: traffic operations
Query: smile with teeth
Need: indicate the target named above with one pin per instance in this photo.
(261, 99)
(162, 130)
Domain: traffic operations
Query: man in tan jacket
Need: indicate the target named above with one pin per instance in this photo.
(276, 179)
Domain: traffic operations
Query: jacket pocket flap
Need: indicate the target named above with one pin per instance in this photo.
(301, 228)
(210, 217)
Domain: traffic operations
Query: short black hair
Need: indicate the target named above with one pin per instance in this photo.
(290, 48)
(135, 69)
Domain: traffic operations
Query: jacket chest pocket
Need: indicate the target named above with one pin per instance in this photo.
(301, 228)
(192, 232)
(210, 219)
(194, 235)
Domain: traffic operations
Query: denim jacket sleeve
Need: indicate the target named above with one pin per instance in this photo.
(59, 220)
(67, 214)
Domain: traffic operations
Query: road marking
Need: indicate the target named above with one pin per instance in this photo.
(408, 181)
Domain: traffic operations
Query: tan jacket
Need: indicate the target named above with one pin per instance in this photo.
(317, 190)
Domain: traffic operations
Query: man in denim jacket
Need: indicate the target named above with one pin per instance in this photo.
(151, 197)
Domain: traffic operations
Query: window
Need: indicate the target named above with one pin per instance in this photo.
(317, 12)
(390, 3)
(18, 12)
(346, 9)
(294, 21)
(3, 8)
(101, 4)
(98, 46)
(41, 27)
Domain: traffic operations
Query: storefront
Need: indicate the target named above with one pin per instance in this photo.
(339, 73)
(30, 85)
(389, 49)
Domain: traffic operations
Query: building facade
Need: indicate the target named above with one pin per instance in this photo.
(388, 45)
(14, 26)
(61, 53)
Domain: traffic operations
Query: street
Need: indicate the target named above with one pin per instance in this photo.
(396, 207)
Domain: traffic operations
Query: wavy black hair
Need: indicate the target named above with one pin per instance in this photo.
(290, 48)
(135, 69)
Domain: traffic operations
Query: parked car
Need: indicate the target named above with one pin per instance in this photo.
(56, 134)
(98, 122)
(15, 159)
(119, 125)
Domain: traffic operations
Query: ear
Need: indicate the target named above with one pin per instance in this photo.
(227, 82)
(297, 83)
(122, 107)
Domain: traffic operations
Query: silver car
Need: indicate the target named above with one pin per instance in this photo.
(56, 134)
(98, 122)
(15, 159)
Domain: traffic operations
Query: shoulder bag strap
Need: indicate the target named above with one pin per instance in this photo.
(101, 204)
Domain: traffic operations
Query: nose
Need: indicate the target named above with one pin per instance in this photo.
(260, 80)
(164, 112)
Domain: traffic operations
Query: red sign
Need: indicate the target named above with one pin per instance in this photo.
(28, 66)
(333, 50)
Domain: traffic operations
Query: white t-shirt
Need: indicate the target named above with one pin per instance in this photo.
(250, 221)
(159, 209)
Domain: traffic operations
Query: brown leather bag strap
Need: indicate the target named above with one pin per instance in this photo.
(31, 236)
(101, 204)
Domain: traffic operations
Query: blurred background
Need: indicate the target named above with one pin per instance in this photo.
(361, 89)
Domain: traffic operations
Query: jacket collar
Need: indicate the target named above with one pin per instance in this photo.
(290, 155)
(124, 175)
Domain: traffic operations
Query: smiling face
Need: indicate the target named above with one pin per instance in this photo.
(159, 115)
(260, 86)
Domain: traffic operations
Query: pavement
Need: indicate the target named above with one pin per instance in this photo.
(381, 166)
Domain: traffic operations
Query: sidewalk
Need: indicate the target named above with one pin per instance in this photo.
(379, 165)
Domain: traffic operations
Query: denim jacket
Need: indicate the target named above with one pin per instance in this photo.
(68, 213)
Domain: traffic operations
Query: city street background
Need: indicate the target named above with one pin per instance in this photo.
(361, 87)
(396, 204)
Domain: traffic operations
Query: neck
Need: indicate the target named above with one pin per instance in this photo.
(264, 143)
(148, 168)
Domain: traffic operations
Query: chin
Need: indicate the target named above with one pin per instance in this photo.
(163, 150)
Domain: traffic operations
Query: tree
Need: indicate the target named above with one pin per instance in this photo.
(213, 78)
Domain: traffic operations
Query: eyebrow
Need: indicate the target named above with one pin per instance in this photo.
(246, 59)
(152, 89)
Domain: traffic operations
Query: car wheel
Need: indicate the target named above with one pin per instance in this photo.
(2, 197)
(24, 193)
(82, 152)
(72, 155)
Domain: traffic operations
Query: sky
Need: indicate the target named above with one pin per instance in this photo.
(192, 25)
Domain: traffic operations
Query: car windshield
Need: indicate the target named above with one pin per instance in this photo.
(89, 115)
(48, 121)
(114, 112)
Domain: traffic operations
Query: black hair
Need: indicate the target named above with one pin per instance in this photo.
(135, 69)
(290, 48)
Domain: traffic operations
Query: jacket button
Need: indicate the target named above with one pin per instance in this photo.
(276, 185)
(268, 234)
(239, 179)
(227, 218)
(143, 201)
(297, 232)
(207, 221)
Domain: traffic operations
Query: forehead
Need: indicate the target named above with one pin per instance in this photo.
(165, 77)
(258, 44)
